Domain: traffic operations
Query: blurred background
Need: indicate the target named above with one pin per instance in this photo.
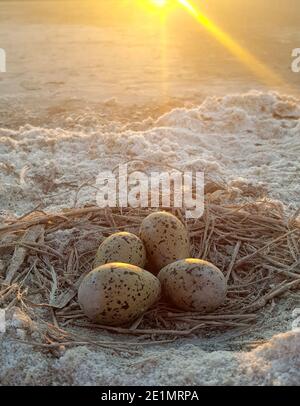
(137, 52)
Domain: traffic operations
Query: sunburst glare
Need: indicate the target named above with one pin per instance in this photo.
(263, 72)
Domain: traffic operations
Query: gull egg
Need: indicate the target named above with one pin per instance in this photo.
(121, 247)
(117, 293)
(165, 238)
(193, 285)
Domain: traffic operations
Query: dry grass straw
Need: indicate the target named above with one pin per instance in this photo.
(46, 256)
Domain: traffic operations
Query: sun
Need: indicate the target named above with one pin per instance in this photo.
(160, 7)
(159, 3)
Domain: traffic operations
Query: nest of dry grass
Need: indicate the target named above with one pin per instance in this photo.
(45, 256)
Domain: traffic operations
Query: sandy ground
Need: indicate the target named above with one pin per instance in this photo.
(275, 363)
(242, 139)
(70, 108)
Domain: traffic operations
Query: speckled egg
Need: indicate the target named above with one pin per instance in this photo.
(165, 238)
(117, 293)
(193, 285)
(121, 247)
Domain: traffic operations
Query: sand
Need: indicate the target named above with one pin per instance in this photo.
(275, 363)
(249, 139)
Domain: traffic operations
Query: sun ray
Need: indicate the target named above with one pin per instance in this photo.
(253, 63)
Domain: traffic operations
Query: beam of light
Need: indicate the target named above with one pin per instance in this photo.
(253, 64)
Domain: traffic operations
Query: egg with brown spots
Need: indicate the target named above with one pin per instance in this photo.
(165, 238)
(193, 285)
(117, 293)
(121, 247)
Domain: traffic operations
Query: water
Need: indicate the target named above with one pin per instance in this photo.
(96, 49)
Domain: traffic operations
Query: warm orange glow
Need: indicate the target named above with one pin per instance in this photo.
(252, 63)
(249, 60)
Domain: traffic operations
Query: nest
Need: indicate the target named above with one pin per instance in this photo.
(45, 256)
